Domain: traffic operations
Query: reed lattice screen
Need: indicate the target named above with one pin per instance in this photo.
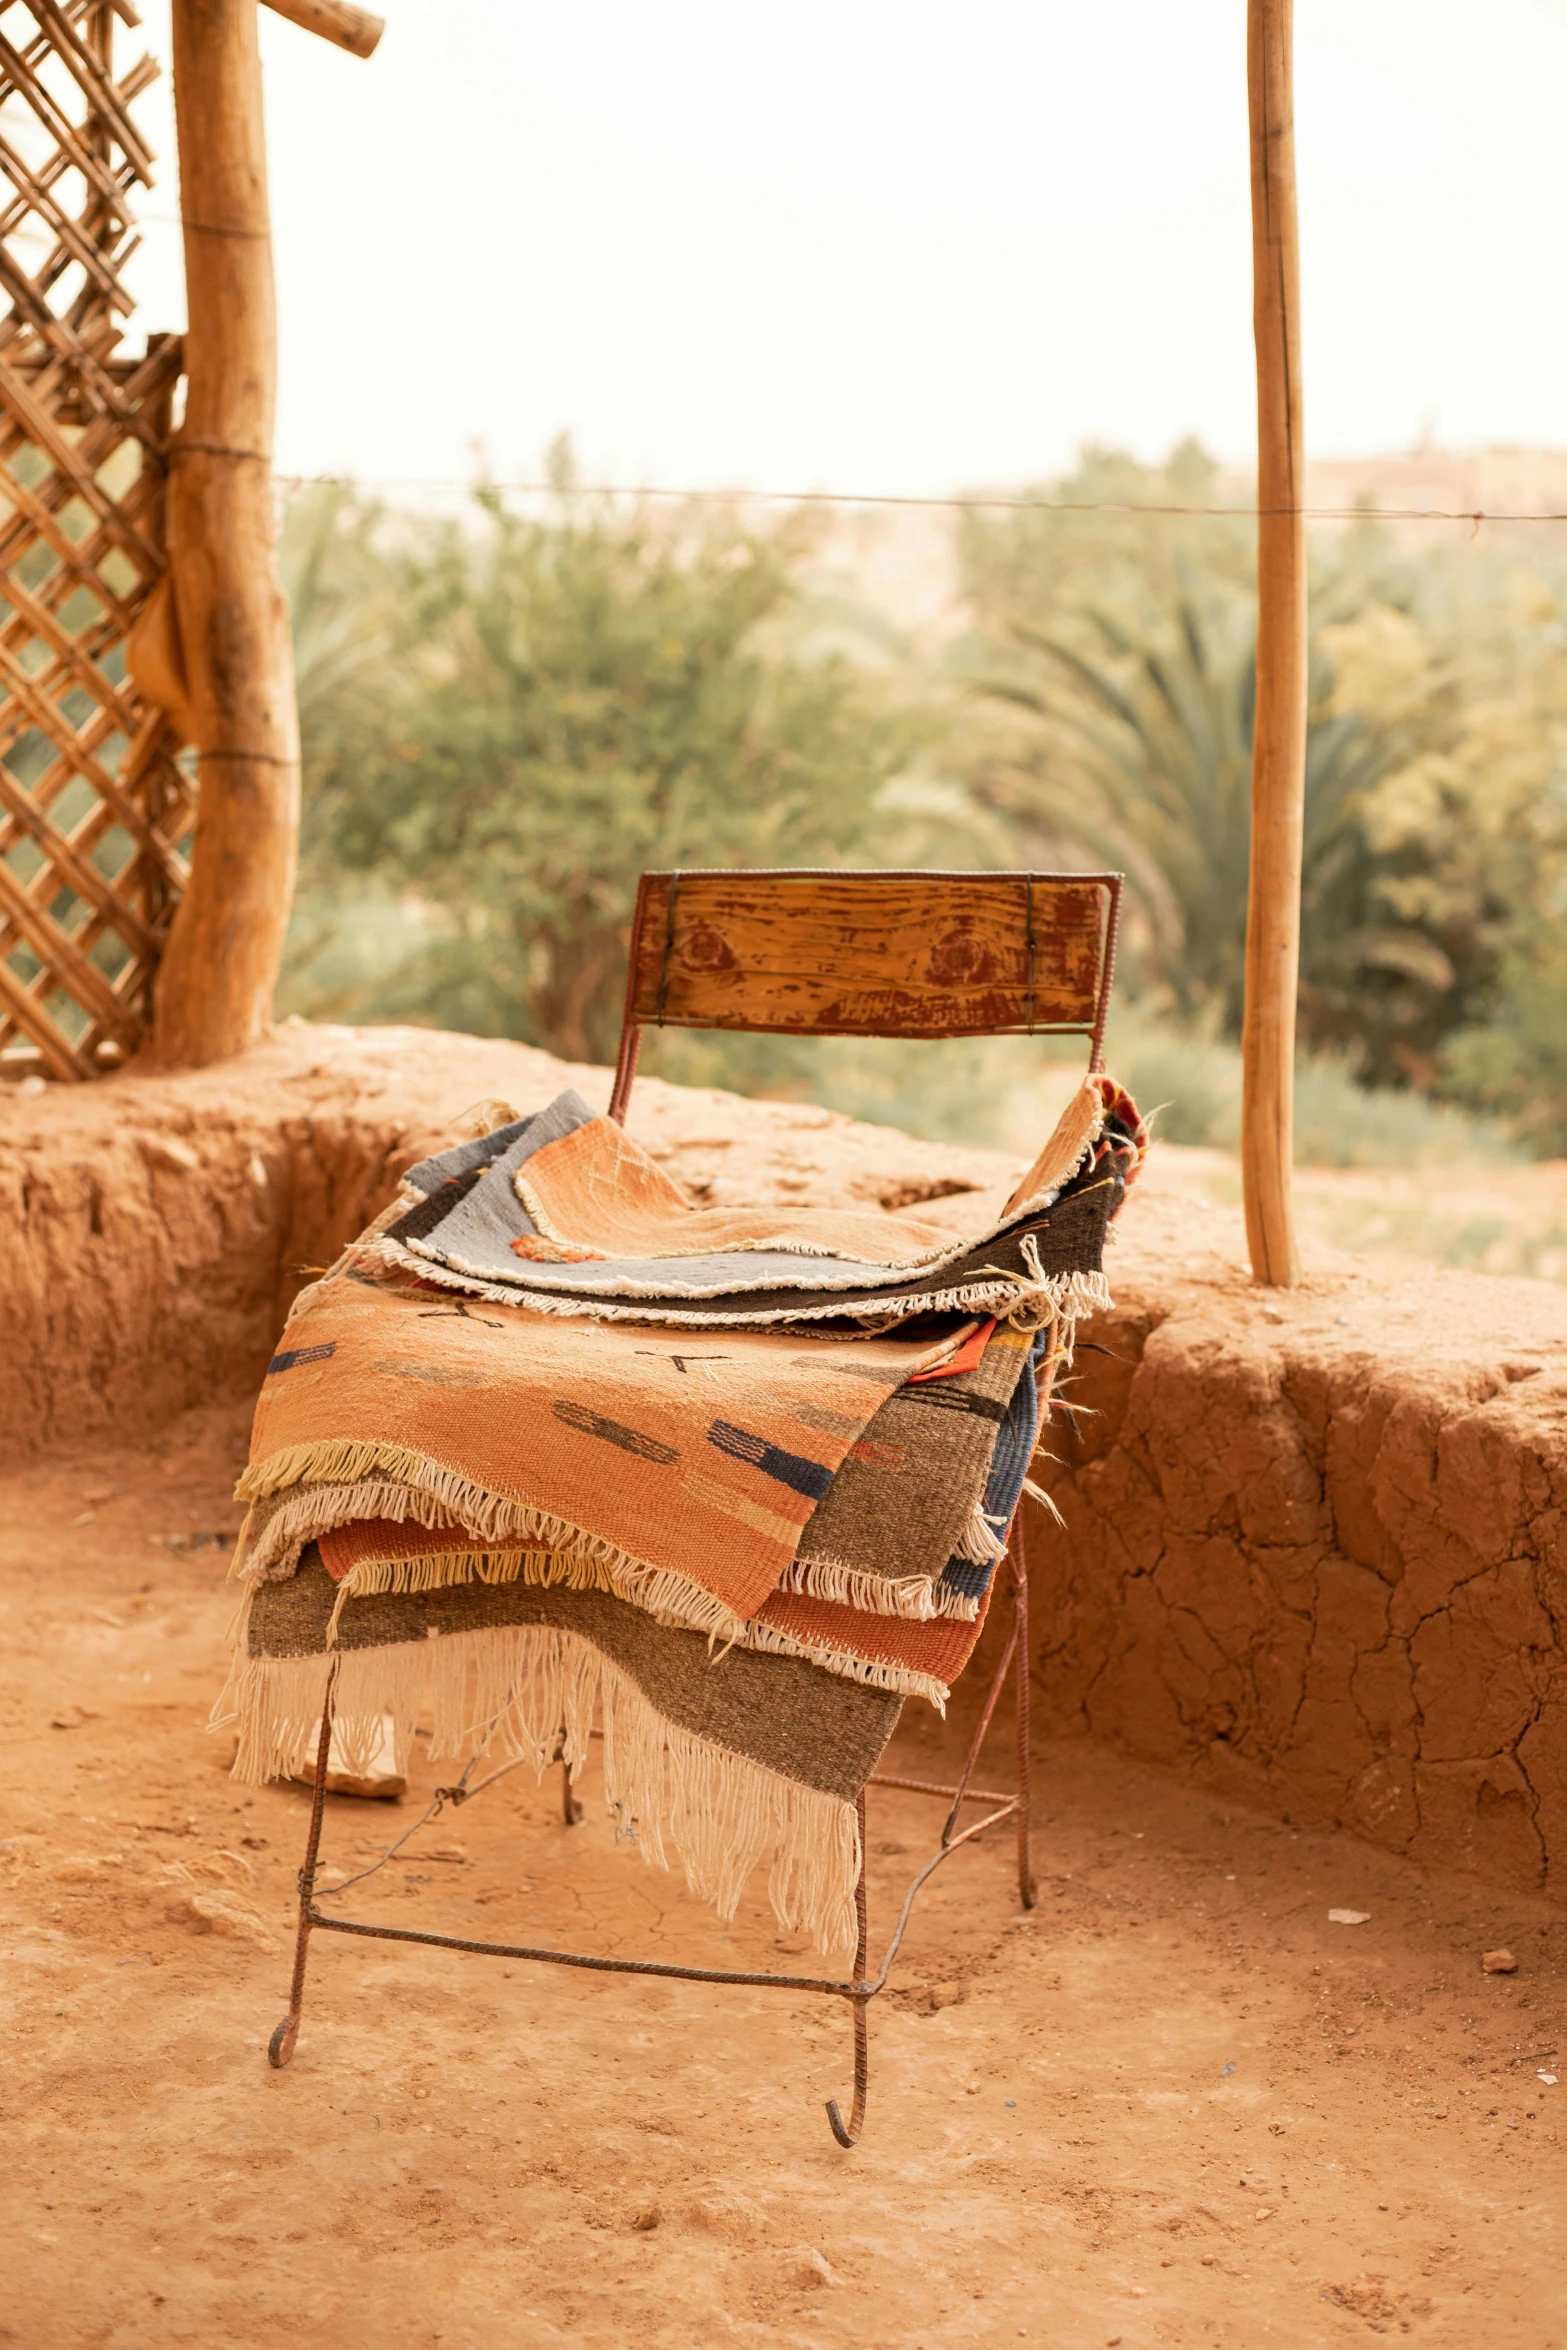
(96, 803)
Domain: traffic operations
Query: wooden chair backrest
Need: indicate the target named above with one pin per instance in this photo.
(807, 953)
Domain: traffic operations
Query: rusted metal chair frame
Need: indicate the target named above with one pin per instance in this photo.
(860, 1988)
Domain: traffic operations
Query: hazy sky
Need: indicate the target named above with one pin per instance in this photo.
(848, 244)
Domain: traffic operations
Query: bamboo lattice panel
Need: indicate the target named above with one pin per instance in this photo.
(96, 806)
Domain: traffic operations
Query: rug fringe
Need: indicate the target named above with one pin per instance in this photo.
(441, 1570)
(1038, 1493)
(956, 1607)
(897, 1678)
(983, 1539)
(912, 1597)
(914, 1600)
(1012, 1297)
(340, 1481)
(508, 1693)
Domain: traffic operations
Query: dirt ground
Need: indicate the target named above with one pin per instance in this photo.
(1174, 2105)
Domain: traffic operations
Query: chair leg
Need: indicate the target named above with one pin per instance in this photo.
(862, 2054)
(1028, 1892)
(281, 2045)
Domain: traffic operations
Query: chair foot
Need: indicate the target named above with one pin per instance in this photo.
(281, 2045)
(847, 2138)
(848, 2134)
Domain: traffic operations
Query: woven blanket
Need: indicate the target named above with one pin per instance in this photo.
(732, 1758)
(911, 1652)
(478, 1440)
(520, 1508)
(759, 1748)
(733, 1755)
(900, 1515)
(874, 1642)
(565, 1212)
(692, 1477)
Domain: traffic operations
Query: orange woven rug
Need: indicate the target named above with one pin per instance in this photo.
(688, 1470)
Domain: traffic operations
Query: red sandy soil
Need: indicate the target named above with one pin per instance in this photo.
(1174, 2105)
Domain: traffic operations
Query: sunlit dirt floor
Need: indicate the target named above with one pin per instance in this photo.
(1173, 2105)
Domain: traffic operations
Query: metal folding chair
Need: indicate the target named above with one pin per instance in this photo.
(824, 953)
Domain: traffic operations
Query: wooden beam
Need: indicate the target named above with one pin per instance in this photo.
(214, 991)
(353, 29)
(1278, 776)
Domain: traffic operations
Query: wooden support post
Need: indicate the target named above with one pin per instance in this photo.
(1279, 739)
(214, 991)
(353, 29)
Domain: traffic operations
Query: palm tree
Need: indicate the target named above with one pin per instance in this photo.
(1141, 755)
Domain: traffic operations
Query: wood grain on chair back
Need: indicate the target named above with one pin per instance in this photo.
(870, 954)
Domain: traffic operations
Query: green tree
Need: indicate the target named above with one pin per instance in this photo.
(1145, 760)
(1515, 1064)
(1128, 670)
(570, 699)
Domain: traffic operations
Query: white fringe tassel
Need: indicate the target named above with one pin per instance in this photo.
(983, 1540)
(913, 1597)
(850, 1668)
(507, 1693)
(1038, 1493)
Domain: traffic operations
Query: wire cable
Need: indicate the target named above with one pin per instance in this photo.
(1000, 502)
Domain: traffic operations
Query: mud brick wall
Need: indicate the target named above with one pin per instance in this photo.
(1318, 1546)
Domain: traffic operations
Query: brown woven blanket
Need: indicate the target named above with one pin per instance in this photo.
(906, 1498)
(916, 1657)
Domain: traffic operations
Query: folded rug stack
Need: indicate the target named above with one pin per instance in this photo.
(551, 1449)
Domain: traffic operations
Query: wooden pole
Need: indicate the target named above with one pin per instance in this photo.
(353, 29)
(1278, 775)
(214, 990)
